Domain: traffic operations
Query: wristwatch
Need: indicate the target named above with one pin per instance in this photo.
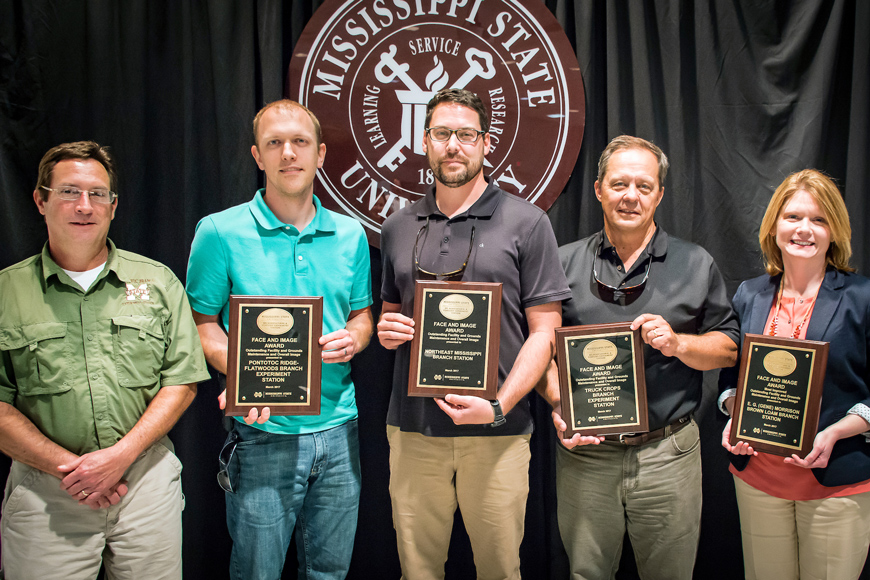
(499, 416)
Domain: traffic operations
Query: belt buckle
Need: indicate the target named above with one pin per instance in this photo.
(624, 436)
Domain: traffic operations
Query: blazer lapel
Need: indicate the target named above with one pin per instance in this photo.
(827, 302)
(761, 304)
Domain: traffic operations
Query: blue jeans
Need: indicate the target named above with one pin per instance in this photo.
(309, 483)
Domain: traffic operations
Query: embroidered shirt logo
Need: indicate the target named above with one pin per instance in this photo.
(139, 292)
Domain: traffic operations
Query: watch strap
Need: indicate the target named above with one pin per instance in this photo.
(499, 415)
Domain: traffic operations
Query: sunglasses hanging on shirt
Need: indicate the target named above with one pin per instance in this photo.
(452, 276)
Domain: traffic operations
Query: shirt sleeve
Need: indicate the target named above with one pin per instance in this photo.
(208, 280)
(361, 293)
(726, 394)
(542, 278)
(183, 359)
(728, 376)
(862, 411)
(389, 290)
(718, 315)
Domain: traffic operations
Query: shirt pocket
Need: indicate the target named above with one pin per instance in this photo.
(40, 355)
(139, 346)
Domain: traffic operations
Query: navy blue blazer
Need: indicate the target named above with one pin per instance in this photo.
(841, 317)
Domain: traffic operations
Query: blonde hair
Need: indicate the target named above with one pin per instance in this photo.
(829, 198)
(287, 105)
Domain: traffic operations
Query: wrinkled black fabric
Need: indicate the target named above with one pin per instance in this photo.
(738, 94)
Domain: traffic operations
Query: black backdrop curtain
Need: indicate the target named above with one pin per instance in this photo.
(738, 94)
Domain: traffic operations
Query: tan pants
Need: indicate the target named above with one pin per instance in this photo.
(47, 535)
(486, 477)
(806, 540)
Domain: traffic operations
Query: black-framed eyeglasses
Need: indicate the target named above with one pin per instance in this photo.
(613, 293)
(465, 135)
(74, 193)
(225, 457)
(426, 274)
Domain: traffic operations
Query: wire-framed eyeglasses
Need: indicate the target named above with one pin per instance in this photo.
(465, 135)
(74, 193)
(613, 293)
(426, 274)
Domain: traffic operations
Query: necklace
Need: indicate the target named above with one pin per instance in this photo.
(775, 322)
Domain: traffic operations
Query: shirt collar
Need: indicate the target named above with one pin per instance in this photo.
(51, 268)
(322, 222)
(657, 246)
(484, 207)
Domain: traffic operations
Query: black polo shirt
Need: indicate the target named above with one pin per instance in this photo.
(684, 287)
(513, 244)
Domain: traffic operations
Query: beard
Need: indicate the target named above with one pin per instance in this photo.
(457, 177)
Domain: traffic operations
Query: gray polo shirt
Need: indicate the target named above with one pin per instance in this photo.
(684, 287)
(513, 244)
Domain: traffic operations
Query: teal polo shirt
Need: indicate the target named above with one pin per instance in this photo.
(246, 250)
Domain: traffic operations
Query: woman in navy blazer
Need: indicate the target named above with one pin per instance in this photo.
(808, 517)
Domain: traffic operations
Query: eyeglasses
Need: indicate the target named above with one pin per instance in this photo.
(465, 135)
(225, 457)
(614, 293)
(74, 194)
(427, 275)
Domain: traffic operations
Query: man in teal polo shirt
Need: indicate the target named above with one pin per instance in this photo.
(300, 472)
(99, 358)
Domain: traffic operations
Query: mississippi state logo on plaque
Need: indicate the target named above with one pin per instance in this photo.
(367, 68)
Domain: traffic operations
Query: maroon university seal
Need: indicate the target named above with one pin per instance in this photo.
(367, 68)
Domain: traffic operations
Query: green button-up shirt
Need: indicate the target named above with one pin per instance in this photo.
(83, 366)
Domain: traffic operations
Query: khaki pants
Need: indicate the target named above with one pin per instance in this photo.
(652, 491)
(47, 535)
(810, 540)
(486, 477)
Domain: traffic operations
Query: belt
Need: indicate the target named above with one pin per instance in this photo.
(651, 437)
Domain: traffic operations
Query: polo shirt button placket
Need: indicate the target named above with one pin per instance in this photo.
(301, 262)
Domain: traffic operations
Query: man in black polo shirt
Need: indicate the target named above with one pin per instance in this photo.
(649, 484)
(465, 451)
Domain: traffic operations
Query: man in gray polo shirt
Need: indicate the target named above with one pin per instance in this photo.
(466, 451)
(649, 484)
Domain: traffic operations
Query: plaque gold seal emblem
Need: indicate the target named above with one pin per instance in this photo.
(600, 352)
(456, 307)
(779, 363)
(275, 321)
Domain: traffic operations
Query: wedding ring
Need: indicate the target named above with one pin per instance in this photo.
(84, 493)
(655, 332)
(345, 351)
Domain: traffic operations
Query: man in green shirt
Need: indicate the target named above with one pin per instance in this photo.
(99, 357)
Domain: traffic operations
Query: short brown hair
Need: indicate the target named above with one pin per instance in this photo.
(287, 104)
(76, 150)
(628, 142)
(460, 97)
(827, 195)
